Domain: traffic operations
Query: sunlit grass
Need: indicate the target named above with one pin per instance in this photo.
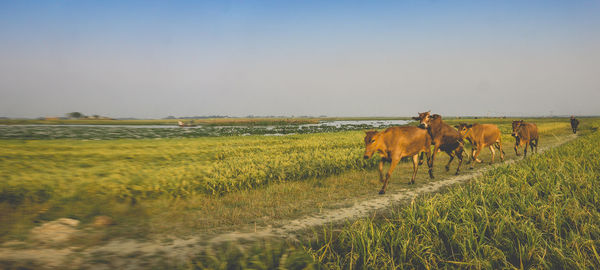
(539, 213)
(156, 185)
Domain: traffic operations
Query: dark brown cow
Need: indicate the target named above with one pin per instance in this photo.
(574, 124)
(525, 134)
(444, 138)
(481, 136)
(395, 143)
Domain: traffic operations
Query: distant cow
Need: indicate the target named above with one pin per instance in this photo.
(395, 143)
(481, 136)
(525, 134)
(574, 124)
(444, 138)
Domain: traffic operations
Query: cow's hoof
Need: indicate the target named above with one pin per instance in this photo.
(470, 168)
(381, 192)
(447, 168)
(456, 173)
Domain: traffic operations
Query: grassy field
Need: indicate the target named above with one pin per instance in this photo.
(542, 212)
(221, 182)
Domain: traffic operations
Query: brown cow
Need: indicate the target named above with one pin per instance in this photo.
(574, 124)
(444, 138)
(525, 134)
(481, 136)
(395, 143)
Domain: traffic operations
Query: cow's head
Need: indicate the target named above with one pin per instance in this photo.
(515, 127)
(370, 143)
(423, 119)
(463, 128)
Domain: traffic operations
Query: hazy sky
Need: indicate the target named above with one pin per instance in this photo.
(152, 59)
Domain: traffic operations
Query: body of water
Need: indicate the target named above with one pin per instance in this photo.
(106, 132)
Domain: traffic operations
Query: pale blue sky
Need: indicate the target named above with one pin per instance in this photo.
(152, 59)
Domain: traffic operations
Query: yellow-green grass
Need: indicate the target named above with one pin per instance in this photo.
(541, 212)
(185, 185)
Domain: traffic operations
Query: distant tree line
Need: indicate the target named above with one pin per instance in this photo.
(79, 115)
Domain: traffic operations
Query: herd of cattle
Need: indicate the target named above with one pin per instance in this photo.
(395, 143)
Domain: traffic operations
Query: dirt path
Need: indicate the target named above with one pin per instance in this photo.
(131, 254)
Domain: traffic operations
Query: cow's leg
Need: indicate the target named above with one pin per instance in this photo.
(499, 146)
(531, 145)
(536, 145)
(475, 157)
(451, 155)
(459, 153)
(389, 174)
(525, 149)
(470, 156)
(428, 155)
(415, 168)
(473, 150)
(493, 153)
(381, 170)
(431, 161)
(421, 158)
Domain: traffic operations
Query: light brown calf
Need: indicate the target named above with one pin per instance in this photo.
(525, 134)
(395, 143)
(481, 136)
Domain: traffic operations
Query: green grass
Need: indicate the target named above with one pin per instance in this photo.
(186, 186)
(540, 213)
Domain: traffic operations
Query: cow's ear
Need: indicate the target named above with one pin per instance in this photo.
(457, 126)
(470, 126)
(416, 118)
